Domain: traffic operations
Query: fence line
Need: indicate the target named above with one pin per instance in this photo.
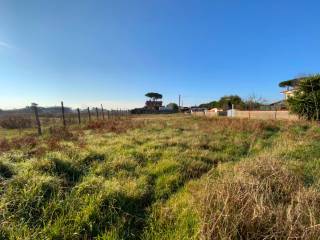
(36, 118)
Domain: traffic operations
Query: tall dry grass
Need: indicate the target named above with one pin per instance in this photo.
(115, 125)
(259, 199)
(16, 122)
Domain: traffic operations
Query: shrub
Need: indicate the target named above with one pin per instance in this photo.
(306, 99)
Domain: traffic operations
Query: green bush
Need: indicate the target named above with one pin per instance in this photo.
(306, 99)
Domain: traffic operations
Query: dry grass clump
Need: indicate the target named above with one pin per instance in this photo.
(58, 134)
(259, 200)
(61, 133)
(237, 125)
(27, 142)
(23, 142)
(4, 145)
(16, 122)
(115, 125)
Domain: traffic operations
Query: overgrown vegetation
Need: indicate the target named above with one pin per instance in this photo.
(306, 98)
(227, 101)
(16, 122)
(163, 178)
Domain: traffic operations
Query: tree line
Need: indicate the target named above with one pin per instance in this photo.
(227, 101)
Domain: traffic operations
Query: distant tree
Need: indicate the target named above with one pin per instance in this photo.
(253, 102)
(306, 98)
(226, 101)
(209, 105)
(292, 82)
(288, 83)
(154, 96)
(173, 106)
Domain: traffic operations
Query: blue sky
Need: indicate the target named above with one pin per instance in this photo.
(113, 52)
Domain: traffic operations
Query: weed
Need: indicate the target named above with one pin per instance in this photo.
(262, 200)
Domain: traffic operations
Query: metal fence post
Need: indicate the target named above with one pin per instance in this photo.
(34, 105)
(97, 112)
(89, 114)
(63, 117)
(79, 118)
(102, 112)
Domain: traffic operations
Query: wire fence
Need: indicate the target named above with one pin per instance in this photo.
(41, 118)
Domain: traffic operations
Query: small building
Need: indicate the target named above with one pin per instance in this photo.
(215, 110)
(279, 105)
(185, 109)
(288, 93)
(197, 109)
(291, 86)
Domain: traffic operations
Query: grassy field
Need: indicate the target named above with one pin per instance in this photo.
(164, 177)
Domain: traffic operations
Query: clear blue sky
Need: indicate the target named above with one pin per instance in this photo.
(86, 52)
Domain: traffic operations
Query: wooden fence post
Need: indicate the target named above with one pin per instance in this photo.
(63, 117)
(97, 112)
(37, 118)
(79, 117)
(89, 114)
(102, 112)
(108, 112)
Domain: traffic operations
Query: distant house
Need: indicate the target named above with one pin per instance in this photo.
(198, 109)
(279, 105)
(215, 110)
(288, 93)
(290, 86)
(169, 108)
(185, 109)
(153, 105)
